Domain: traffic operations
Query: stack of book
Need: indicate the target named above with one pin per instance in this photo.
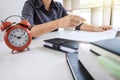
(101, 59)
(98, 60)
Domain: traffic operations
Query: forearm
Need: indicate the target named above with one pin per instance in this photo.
(92, 28)
(69, 21)
(87, 27)
(41, 29)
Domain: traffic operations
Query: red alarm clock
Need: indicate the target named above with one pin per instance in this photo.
(17, 35)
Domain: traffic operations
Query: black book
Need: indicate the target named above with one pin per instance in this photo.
(109, 48)
(61, 44)
(77, 69)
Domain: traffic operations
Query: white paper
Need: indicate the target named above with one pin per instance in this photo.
(89, 36)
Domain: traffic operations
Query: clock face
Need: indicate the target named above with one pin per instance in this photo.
(18, 37)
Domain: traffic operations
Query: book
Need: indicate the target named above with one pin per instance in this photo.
(109, 48)
(92, 65)
(112, 66)
(61, 44)
(77, 69)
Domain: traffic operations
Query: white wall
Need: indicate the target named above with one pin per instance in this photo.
(61, 1)
(10, 7)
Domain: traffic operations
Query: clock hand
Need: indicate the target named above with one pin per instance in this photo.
(23, 34)
(15, 36)
(20, 37)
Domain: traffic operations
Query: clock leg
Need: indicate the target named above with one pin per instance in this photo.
(13, 51)
(28, 48)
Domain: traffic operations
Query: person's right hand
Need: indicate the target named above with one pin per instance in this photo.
(70, 21)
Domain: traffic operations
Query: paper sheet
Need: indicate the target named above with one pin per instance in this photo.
(89, 36)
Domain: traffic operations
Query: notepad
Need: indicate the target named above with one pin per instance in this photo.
(61, 44)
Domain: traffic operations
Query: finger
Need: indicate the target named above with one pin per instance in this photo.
(106, 28)
(98, 29)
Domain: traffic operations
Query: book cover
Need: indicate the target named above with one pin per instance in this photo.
(61, 44)
(109, 48)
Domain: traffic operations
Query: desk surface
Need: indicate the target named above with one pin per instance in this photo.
(39, 63)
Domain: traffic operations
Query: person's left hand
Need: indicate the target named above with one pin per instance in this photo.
(106, 27)
(102, 28)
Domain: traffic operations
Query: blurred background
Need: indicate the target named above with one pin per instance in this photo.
(96, 12)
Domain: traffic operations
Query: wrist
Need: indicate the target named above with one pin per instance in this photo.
(95, 29)
(57, 23)
(86, 27)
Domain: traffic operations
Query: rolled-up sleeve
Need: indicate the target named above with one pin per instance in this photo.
(64, 12)
(28, 13)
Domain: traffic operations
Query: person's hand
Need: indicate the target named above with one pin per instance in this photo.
(106, 27)
(70, 21)
(102, 28)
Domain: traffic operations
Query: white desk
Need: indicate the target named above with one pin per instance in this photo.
(39, 63)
